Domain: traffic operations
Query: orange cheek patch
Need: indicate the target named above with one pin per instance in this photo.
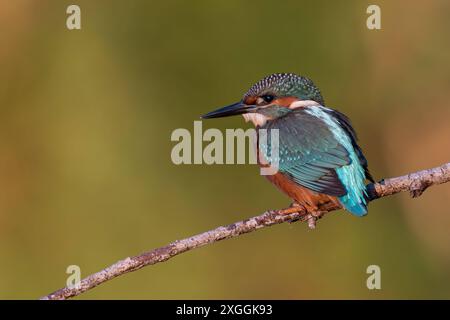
(284, 101)
(250, 100)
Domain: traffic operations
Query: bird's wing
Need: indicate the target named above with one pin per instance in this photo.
(309, 152)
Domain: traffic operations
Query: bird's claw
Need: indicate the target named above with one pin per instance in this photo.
(295, 205)
(311, 218)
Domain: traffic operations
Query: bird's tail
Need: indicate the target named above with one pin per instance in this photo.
(355, 205)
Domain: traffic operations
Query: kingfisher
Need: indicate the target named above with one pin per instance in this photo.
(320, 160)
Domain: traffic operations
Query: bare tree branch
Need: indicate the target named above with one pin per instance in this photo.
(415, 183)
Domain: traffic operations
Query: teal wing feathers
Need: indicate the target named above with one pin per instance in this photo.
(309, 153)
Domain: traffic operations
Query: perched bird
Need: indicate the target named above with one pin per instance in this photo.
(319, 158)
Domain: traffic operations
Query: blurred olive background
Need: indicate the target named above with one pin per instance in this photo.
(86, 116)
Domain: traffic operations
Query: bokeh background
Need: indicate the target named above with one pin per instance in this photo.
(86, 116)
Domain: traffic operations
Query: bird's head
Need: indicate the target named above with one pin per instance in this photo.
(272, 97)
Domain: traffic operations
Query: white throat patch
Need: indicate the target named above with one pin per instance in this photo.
(257, 118)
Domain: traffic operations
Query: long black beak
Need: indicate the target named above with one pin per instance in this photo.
(231, 110)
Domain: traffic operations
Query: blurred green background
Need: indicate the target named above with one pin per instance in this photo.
(86, 116)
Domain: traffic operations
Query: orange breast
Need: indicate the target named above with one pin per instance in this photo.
(309, 199)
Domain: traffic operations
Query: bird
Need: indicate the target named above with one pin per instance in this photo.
(320, 160)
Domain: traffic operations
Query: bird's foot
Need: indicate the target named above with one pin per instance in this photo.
(312, 217)
(311, 220)
(295, 205)
(313, 214)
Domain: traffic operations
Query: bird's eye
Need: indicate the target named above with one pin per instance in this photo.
(268, 98)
